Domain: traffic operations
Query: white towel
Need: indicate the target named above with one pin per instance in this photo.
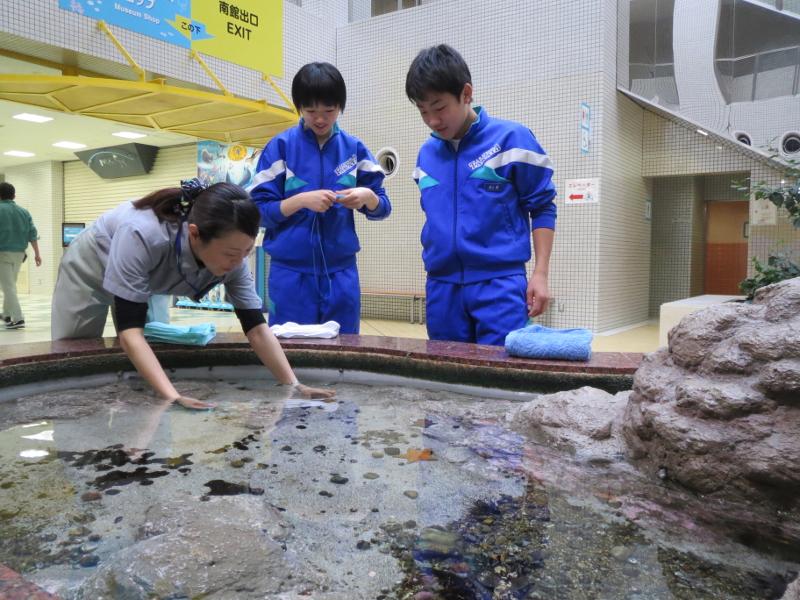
(330, 329)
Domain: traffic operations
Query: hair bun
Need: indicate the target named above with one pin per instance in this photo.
(190, 189)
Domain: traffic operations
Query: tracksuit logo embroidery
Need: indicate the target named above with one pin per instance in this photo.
(346, 172)
(484, 157)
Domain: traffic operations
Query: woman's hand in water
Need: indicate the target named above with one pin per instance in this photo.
(194, 403)
(314, 393)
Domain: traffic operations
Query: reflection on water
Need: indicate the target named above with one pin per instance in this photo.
(384, 493)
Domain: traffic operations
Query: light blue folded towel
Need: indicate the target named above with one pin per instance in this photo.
(194, 335)
(536, 341)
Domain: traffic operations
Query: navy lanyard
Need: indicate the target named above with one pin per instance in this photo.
(199, 293)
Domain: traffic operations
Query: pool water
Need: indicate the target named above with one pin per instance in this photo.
(389, 491)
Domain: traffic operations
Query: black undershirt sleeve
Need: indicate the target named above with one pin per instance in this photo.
(129, 315)
(249, 318)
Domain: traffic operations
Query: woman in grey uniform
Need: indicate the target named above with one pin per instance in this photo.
(180, 241)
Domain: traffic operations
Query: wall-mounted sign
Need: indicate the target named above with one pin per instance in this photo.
(585, 128)
(245, 32)
(148, 17)
(763, 212)
(582, 191)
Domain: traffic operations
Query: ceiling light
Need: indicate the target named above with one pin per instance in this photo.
(32, 118)
(701, 132)
(69, 145)
(19, 153)
(129, 135)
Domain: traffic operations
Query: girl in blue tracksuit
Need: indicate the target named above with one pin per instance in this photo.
(485, 184)
(310, 180)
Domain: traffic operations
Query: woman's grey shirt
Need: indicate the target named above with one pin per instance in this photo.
(138, 253)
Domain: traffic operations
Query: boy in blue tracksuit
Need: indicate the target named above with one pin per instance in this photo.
(484, 184)
(309, 181)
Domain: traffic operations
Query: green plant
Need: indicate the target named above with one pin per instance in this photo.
(786, 196)
(778, 268)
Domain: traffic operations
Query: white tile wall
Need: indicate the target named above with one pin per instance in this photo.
(674, 212)
(334, 12)
(525, 67)
(359, 9)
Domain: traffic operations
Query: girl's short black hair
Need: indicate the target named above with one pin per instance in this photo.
(438, 69)
(319, 82)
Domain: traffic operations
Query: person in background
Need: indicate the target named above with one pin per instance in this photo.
(310, 180)
(16, 232)
(182, 241)
(485, 184)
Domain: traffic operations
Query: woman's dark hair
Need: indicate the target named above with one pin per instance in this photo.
(318, 82)
(438, 69)
(216, 210)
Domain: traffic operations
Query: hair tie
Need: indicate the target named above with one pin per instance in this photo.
(190, 189)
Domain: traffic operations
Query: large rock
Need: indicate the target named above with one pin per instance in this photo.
(718, 411)
(586, 422)
(793, 591)
(218, 549)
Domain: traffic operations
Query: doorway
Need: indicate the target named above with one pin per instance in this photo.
(726, 246)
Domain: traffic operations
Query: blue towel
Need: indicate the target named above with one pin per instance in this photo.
(536, 341)
(195, 335)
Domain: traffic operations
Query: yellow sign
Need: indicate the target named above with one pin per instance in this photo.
(183, 26)
(245, 32)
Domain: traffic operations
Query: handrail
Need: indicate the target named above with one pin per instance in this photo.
(757, 54)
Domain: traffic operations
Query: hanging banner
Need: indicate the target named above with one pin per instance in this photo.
(245, 32)
(148, 17)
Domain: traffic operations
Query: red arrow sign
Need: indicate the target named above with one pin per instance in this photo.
(576, 196)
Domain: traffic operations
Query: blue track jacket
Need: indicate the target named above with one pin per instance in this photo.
(479, 200)
(292, 162)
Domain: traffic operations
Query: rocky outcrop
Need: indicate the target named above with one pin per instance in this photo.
(718, 411)
(216, 549)
(586, 422)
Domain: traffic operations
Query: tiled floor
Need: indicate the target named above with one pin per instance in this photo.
(37, 327)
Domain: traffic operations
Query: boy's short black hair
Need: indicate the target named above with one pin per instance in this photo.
(7, 191)
(438, 69)
(318, 82)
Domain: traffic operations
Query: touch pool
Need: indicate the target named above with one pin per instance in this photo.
(397, 489)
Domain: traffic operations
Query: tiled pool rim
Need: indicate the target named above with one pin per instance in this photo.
(450, 362)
